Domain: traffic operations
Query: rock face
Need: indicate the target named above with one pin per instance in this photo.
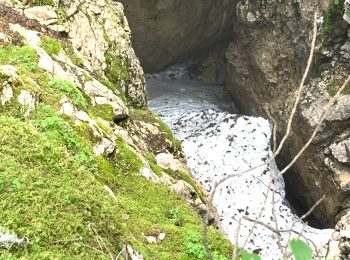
(264, 67)
(166, 31)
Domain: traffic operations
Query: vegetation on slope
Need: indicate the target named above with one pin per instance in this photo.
(52, 185)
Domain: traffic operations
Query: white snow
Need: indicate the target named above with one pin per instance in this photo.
(217, 142)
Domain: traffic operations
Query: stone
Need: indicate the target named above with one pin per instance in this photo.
(151, 239)
(101, 95)
(89, 39)
(106, 146)
(133, 254)
(167, 161)
(6, 96)
(341, 151)
(28, 101)
(46, 15)
(10, 72)
(265, 62)
(4, 38)
(184, 189)
(149, 174)
(8, 240)
(346, 15)
(69, 109)
(345, 52)
(161, 236)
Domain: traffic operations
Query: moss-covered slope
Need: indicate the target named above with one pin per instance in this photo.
(78, 175)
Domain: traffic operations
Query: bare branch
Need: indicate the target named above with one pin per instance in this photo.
(279, 239)
(274, 129)
(326, 112)
(313, 208)
(234, 254)
(281, 230)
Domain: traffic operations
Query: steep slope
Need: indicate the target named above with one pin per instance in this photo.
(78, 175)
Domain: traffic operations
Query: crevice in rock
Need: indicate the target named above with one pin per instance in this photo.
(296, 200)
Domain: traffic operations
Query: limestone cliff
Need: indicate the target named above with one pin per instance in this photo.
(85, 169)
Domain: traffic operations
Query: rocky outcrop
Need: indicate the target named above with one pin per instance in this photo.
(264, 68)
(166, 31)
(75, 131)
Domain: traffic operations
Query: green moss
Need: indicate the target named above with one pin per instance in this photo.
(332, 20)
(51, 45)
(153, 164)
(25, 58)
(55, 201)
(146, 207)
(104, 111)
(51, 184)
(62, 15)
(67, 87)
(117, 70)
(62, 131)
(125, 159)
(77, 61)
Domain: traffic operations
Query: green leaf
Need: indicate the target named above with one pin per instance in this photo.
(250, 256)
(16, 183)
(301, 250)
(336, 2)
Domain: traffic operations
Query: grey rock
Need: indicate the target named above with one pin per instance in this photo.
(345, 52)
(346, 15)
(165, 31)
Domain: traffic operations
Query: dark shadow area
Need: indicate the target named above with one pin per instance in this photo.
(297, 202)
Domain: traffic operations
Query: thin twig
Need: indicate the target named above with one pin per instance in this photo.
(97, 250)
(234, 254)
(301, 86)
(260, 214)
(274, 129)
(100, 241)
(326, 112)
(120, 253)
(280, 230)
(279, 239)
(313, 208)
